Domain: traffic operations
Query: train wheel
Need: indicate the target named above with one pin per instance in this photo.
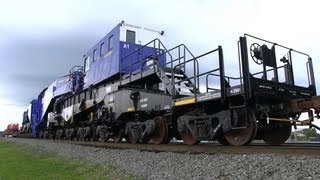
(222, 140)
(78, 137)
(188, 138)
(117, 137)
(131, 139)
(160, 135)
(45, 135)
(50, 135)
(242, 136)
(41, 135)
(127, 139)
(73, 134)
(93, 136)
(277, 133)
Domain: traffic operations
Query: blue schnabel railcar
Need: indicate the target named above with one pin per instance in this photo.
(132, 87)
(36, 116)
(109, 56)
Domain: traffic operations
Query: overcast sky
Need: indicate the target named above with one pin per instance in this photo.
(42, 39)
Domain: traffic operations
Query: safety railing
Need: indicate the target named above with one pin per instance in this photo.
(196, 73)
(289, 61)
(287, 68)
(139, 58)
(173, 56)
(177, 59)
(76, 76)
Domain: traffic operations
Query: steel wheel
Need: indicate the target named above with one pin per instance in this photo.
(277, 133)
(127, 139)
(188, 138)
(78, 137)
(243, 136)
(92, 134)
(41, 135)
(117, 137)
(222, 140)
(131, 139)
(160, 135)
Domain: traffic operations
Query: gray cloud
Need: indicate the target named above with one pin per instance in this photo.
(28, 65)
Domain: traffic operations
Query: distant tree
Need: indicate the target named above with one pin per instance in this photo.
(310, 132)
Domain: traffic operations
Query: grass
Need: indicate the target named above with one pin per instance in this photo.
(16, 162)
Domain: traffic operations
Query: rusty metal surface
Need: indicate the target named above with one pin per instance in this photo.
(312, 149)
(302, 105)
(161, 132)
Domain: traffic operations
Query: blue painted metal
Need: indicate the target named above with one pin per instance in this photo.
(77, 78)
(138, 59)
(110, 62)
(25, 118)
(34, 113)
(77, 81)
(46, 98)
(41, 104)
(39, 107)
(61, 86)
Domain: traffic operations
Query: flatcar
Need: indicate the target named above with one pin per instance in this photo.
(133, 87)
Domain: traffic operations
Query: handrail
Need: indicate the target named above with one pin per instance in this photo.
(157, 53)
(207, 80)
(290, 49)
(77, 67)
(246, 75)
(139, 48)
(268, 70)
(196, 71)
(195, 67)
(181, 51)
(289, 54)
(185, 48)
(217, 69)
(138, 61)
(153, 41)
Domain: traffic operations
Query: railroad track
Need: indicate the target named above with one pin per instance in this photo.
(312, 149)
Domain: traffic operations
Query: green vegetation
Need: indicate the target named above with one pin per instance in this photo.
(310, 132)
(17, 163)
(305, 135)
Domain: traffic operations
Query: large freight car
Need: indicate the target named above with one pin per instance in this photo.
(36, 116)
(133, 87)
(12, 130)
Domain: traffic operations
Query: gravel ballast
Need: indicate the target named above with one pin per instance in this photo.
(164, 165)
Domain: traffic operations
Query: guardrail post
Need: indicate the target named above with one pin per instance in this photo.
(245, 68)
(222, 75)
(311, 72)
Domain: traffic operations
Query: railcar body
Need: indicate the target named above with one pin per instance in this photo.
(12, 130)
(106, 59)
(36, 117)
(133, 87)
(26, 125)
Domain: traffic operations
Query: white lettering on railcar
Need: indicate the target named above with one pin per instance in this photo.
(126, 46)
(108, 89)
(265, 87)
(235, 91)
(144, 100)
